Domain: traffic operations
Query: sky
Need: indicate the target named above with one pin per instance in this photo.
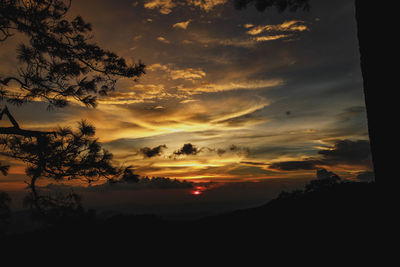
(228, 95)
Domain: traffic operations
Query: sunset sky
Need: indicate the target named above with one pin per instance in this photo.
(227, 96)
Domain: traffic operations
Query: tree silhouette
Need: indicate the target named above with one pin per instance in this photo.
(369, 56)
(63, 155)
(57, 65)
(59, 62)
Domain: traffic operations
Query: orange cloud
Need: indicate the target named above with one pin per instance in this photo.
(206, 5)
(182, 25)
(164, 6)
(271, 37)
(187, 74)
(287, 26)
(175, 74)
(162, 39)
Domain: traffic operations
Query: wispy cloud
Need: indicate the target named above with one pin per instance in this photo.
(187, 74)
(287, 26)
(270, 37)
(230, 86)
(175, 73)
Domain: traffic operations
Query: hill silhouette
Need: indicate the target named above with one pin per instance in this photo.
(322, 211)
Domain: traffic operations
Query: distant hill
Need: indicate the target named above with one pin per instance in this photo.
(321, 211)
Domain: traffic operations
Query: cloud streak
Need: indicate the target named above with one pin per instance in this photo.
(176, 73)
(287, 26)
(342, 152)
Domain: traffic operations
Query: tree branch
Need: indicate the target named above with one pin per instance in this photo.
(18, 131)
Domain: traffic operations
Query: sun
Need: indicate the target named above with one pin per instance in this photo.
(196, 192)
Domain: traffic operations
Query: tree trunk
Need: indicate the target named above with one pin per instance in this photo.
(35, 195)
(370, 55)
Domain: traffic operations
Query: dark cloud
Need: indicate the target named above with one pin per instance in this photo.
(188, 149)
(239, 150)
(233, 149)
(220, 151)
(293, 165)
(342, 152)
(348, 152)
(152, 152)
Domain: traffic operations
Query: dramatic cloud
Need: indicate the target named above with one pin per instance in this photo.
(152, 152)
(182, 25)
(216, 77)
(348, 152)
(343, 152)
(178, 114)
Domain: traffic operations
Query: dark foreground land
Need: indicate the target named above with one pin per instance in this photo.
(343, 211)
